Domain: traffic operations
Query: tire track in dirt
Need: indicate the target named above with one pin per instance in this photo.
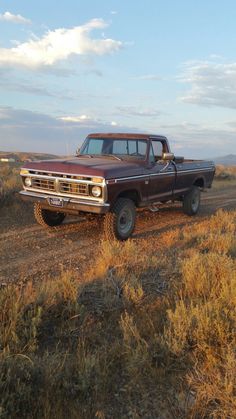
(31, 252)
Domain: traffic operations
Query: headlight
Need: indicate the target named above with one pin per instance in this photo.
(28, 181)
(96, 191)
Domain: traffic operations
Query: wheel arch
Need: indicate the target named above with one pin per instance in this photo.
(200, 182)
(132, 194)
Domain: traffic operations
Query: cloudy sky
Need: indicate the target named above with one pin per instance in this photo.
(75, 67)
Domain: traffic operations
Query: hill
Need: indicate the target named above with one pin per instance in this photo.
(23, 156)
(229, 160)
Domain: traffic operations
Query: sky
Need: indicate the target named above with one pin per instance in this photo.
(71, 68)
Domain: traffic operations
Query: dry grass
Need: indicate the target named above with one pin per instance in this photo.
(148, 330)
(133, 336)
(224, 176)
(225, 173)
(11, 206)
(9, 174)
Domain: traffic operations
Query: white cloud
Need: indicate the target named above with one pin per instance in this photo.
(80, 118)
(199, 140)
(212, 83)
(59, 45)
(9, 17)
(148, 77)
(85, 120)
(13, 84)
(25, 130)
(136, 111)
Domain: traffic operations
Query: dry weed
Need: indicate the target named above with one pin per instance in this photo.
(145, 332)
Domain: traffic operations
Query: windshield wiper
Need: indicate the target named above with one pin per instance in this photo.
(111, 155)
(85, 155)
(100, 155)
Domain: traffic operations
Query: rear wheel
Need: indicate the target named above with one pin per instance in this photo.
(119, 223)
(191, 201)
(47, 218)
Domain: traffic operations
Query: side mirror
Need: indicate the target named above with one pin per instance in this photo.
(179, 160)
(168, 156)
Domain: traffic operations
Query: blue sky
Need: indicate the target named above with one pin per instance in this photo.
(75, 67)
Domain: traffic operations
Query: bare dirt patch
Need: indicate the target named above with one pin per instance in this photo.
(27, 251)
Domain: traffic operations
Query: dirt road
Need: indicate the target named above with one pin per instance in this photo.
(27, 251)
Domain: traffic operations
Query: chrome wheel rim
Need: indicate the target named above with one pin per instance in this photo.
(125, 221)
(195, 201)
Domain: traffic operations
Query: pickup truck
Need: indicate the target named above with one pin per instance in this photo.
(112, 175)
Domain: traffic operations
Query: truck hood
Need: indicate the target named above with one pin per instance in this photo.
(107, 167)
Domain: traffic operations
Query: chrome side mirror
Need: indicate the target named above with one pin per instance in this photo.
(168, 156)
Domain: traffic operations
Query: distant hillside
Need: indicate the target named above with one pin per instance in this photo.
(229, 160)
(24, 156)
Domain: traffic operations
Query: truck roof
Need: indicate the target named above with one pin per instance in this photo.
(125, 135)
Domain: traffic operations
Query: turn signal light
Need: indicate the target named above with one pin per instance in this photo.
(24, 172)
(97, 179)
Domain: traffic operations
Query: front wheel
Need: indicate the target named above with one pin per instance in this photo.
(47, 218)
(191, 201)
(119, 223)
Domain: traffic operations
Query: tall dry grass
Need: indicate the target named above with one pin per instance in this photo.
(147, 330)
(13, 210)
(225, 172)
(11, 182)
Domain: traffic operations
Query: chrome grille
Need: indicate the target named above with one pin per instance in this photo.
(43, 184)
(60, 186)
(74, 188)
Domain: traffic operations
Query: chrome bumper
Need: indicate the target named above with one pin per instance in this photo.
(70, 205)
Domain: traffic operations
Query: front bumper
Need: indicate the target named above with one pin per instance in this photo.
(70, 205)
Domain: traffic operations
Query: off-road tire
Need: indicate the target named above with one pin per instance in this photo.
(47, 218)
(119, 223)
(191, 201)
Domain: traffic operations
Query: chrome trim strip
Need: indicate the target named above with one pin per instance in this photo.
(61, 195)
(175, 191)
(212, 168)
(74, 201)
(88, 182)
(127, 178)
(58, 173)
(162, 173)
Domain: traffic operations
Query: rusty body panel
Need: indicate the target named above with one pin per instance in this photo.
(145, 179)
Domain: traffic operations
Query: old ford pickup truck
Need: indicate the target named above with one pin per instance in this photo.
(112, 175)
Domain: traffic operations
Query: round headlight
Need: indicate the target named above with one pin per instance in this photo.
(28, 181)
(96, 191)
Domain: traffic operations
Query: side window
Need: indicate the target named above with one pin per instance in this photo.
(142, 147)
(157, 147)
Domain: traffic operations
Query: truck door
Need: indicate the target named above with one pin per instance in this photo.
(162, 173)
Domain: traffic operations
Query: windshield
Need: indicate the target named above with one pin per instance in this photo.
(123, 148)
